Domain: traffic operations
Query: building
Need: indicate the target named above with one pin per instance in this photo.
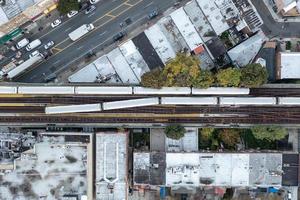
(288, 65)
(217, 169)
(111, 166)
(59, 165)
(245, 52)
(288, 8)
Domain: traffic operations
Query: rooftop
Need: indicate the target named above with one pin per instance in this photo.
(289, 67)
(54, 168)
(188, 143)
(111, 166)
(213, 15)
(245, 52)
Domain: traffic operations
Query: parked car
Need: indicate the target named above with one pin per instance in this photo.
(72, 13)
(153, 14)
(56, 23)
(119, 36)
(22, 43)
(49, 44)
(35, 53)
(94, 1)
(90, 9)
(49, 78)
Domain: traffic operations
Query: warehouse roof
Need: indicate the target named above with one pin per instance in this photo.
(289, 65)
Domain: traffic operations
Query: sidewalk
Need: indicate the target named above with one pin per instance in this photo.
(278, 18)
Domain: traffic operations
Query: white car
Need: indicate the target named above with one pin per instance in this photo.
(35, 53)
(72, 13)
(49, 44)
(94, 1)
(56, 23)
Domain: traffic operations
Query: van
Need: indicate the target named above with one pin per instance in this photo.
(33, 44)
(22, 43)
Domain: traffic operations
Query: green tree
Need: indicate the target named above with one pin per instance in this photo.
(269, 133)
(65, 6)
(153, 79)
(230, 137)
(253, 75)
(206, 133)
(229, 77)
(204, 80)
(175, 131)
(181, 70)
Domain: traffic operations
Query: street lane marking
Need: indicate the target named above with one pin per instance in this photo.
(128, 4)
(68, 29)
(109, 15)
(99, 26)
(91, 14)
(57, 49)
(116, 12)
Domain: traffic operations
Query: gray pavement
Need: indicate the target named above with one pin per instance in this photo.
(106, 18)
(273, 28)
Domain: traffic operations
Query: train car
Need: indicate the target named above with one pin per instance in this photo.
(164, 90)
(221, 91)
(189, 100)
(73, 109)
(103, 90)
(46, 90)
(8, 90)
(247, 101)
(130, 103)
(289, 100)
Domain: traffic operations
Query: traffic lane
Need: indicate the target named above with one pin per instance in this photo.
(273, 28)
(60, 33)
(96, 40)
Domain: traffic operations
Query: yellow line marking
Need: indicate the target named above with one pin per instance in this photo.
(12, 104)
(88, 32)
(128, 4)
(109, 15)
(11, 95)
(56, 49)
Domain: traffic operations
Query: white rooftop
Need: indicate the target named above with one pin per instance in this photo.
(160, 43)
(246, 51)
(200, 169)
(289, 65)
(122, 67)
(214, 16)
(188, 143)
(54, 169)
(186, 28)
(90, 73)
(134, 58)
(111, 162)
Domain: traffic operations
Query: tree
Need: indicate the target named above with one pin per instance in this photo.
(269, 133)
(230, 137)
(229, 77)
(181, 70)
(253, 75)
(153, 79)
(207, 133)
(204, 80)
(175, 131)
(65, 6)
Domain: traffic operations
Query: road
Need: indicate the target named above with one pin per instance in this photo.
(106, 18)
(273, 28)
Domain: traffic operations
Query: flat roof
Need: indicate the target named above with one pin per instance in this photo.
(160, 43)
(186, 28)
(111, 165)
(289, 65)
(134, 58)
(245, 52)
(199, 20)
(188, 143)
(214, 16)
(290, 167)
(54, 168)
(122, 67)
(149, 168)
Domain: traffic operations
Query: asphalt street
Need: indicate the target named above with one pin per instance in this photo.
(106, 19)
(273, 28)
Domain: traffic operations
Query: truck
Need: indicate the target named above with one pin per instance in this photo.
(81, 31)
(24, 66)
